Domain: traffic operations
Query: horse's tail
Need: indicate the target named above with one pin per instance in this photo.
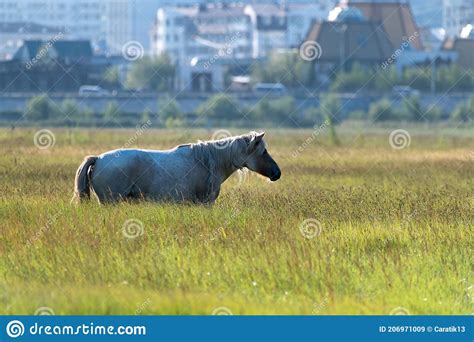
(82, 182)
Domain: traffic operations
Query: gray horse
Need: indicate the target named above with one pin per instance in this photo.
(191, 172)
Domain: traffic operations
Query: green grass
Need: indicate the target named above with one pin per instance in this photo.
(396, 230)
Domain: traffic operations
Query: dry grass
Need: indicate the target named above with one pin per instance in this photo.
(396, 231)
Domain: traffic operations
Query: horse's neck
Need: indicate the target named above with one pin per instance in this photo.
(225, 164)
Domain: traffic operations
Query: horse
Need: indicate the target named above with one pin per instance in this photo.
(186, 173)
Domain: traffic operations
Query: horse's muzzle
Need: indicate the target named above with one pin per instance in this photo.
(275, 175)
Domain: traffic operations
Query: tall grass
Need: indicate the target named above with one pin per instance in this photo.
(394, 229)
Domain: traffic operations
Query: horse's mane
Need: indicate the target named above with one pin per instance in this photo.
(213, 153)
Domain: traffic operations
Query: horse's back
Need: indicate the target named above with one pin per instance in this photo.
(136, 172)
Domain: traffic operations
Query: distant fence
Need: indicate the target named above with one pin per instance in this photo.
(189, 102)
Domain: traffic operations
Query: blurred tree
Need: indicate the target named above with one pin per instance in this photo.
(111, 78)
(286, 68)
(382, 111)
(411, 109)
(220, 106)
(354, 80)
(112, 110)
(453, 78)
(40, 108)
(152, 73)
(69, 109)
(464, 112)
(329, 105)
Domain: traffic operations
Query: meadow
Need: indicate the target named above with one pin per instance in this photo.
(354, 228)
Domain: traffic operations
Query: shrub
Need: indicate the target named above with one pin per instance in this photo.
(219, 106)
(382, 111)
(464, 112)
(412, 110)
(40, 108)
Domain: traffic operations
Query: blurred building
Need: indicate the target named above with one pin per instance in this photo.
(12, 35)
(51, 66)
(395, 16)
(80, 19)
(108, 24)
(349, 38)
(456, 15)
(207, 39)
(463, 46)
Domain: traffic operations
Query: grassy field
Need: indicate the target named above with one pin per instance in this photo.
(360, 228)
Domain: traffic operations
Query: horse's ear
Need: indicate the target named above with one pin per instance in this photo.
(255, 140)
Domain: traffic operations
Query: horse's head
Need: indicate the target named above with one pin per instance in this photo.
(259, 160)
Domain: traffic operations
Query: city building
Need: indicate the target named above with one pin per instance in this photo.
(346, 39)
(51, 66)
(301, 16)
(12, 35)
(206, 39)
(269, 27)
(108, 24)
(456, 15)
(80, 19)
(395, 16)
